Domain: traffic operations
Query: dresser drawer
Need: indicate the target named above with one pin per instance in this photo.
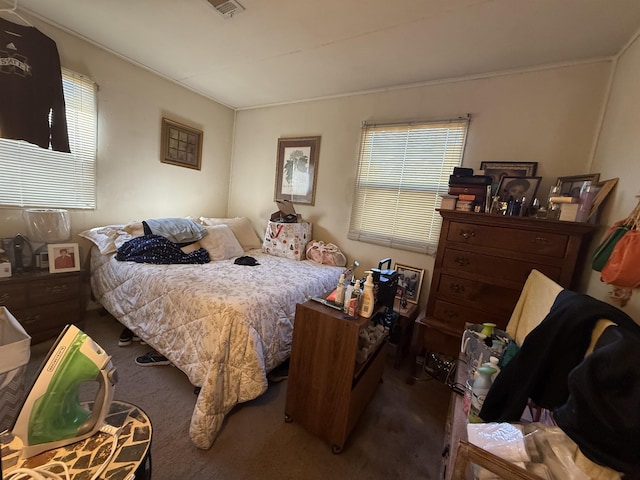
(462, 290)
(490, 266)
(50, 290)
(455, 316)
(13, 295)
(513, 240)
(47, 321)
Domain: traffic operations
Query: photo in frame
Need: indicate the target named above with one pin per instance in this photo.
(497, 170)
(522, 189)
(570, 186)
(181, 145)
(409, 282)
(296, 167)
(63, 257)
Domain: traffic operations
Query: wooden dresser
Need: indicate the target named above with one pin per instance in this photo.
(481, 265)
(44, 302)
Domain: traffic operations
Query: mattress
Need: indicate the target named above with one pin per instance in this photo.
(224, 325)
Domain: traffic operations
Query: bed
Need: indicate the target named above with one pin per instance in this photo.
(224, 325)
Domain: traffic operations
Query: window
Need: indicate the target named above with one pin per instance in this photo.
(31, 176)
(402, 170)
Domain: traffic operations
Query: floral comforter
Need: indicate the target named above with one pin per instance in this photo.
(224, 325)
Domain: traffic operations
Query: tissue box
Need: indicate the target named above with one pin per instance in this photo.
(5, 269)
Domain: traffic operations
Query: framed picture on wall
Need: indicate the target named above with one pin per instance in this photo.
(180, 145)
(296, 166)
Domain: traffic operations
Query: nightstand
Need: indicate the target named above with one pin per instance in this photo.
(401, 337)
(45, 302)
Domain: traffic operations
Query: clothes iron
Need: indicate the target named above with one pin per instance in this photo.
(51, 415)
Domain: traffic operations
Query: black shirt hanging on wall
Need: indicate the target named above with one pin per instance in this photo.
(31, 88)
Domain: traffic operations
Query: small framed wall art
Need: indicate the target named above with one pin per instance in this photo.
(180, 145)
(63, 257)
(409, 282)
(296, 167)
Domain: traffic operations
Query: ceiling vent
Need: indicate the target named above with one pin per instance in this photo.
(226, 8)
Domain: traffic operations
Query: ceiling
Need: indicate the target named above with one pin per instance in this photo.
(279, 51)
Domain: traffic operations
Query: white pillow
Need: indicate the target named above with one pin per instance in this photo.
(241, 228)
(111, 237)
(221, 243)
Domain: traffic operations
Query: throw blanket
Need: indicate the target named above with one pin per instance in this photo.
(595, 399)
(158, 249)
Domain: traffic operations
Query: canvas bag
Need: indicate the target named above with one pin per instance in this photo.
(15, 351)
(603, 252)
(325, 253)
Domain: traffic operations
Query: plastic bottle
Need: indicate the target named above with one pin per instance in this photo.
(348, 291)
(354, 303)
(367, 297)
(340, 290)
(481, 386)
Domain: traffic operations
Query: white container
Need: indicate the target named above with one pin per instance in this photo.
(5, 269)
(367, 297)
(340, 290)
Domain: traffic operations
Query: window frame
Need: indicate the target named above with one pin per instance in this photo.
(417, 173)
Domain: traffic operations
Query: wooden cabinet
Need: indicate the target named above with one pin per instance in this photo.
(481, 265)
(327, 389)
(44, 302)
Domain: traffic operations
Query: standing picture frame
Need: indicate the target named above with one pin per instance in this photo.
(63, 257)
(296, 168)
(180, 145)
(497, 170)
(570, 186)
(519, 188)
(409, 282)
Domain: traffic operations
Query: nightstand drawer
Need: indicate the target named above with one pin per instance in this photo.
(13, 296)
(533, 242)
(42, 292)
(47, 321)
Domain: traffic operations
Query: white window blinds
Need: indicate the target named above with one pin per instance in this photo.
(402, 171)
(31, 176)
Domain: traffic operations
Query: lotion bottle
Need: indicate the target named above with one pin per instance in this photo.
(347, 297)
(354, 302)
(340, 290)
(367, 297)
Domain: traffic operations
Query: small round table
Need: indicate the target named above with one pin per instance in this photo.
(85, 457)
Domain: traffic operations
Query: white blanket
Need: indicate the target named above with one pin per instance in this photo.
(224, 325)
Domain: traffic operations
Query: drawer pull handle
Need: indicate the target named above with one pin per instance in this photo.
(32, 319)
(466, 234)
(56, 289)
(457, 288)
(450, 313)
(541, 240)
(462, 261)
(4, 298)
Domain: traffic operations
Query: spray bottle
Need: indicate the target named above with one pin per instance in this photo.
(347, 297)
(340, 290)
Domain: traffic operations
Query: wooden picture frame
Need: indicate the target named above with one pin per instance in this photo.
(296, 167)
(180, 145)
(409, 282)
(497, 170)
(519, 188)
(63, 257)
(570, 186)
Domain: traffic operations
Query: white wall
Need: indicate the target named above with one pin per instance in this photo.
(618, 155)
(132, 182)
(549, 116)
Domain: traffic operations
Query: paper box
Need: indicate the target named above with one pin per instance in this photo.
(288, 240)
(5, 269)
(286, 213)
(15, 351)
